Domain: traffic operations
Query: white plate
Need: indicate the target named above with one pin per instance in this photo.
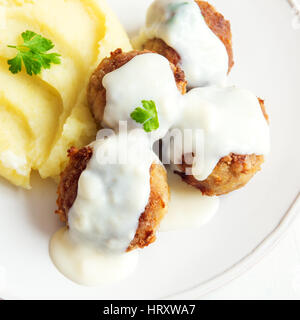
(183, 264)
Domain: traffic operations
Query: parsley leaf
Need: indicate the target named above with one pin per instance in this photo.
(147, 116)
(15, 64)
(33, 53)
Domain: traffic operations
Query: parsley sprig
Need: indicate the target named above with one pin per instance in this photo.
(33, 53)
(147, 115)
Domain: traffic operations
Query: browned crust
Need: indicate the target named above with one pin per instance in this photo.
(220, 27)
(67, 188)
(215, 21)
(96, 93)
(155, 211)
(263, 109)
(149, 220)
(159, 46)
(231, 173)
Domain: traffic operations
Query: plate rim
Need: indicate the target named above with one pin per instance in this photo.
(243, 265)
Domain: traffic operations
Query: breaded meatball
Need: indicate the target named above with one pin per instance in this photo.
(231, 173)
(67, 188)
(96, 93)
(149, 220)
(155, 210)
(215, 21)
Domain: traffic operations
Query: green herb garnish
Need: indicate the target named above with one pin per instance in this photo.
(33, 53)
(147, 117)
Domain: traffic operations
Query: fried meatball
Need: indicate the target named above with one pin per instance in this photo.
(149, 220)
(96, 93)
(215, 21)
(231, 173)
(67, 188)
(155, 210)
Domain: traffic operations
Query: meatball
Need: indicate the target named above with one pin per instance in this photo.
(231, 173)
(215, 21)
(155, 210)
(96, 93)
(149, 220)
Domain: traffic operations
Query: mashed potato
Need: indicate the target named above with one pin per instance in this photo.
(42, 116)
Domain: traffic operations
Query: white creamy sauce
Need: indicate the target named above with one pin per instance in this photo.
(223, 121)
(87, 266)
(113, 192)
(188, 208)
(181, 25)
(146, 77)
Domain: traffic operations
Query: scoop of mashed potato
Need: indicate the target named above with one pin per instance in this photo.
(42, 116)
